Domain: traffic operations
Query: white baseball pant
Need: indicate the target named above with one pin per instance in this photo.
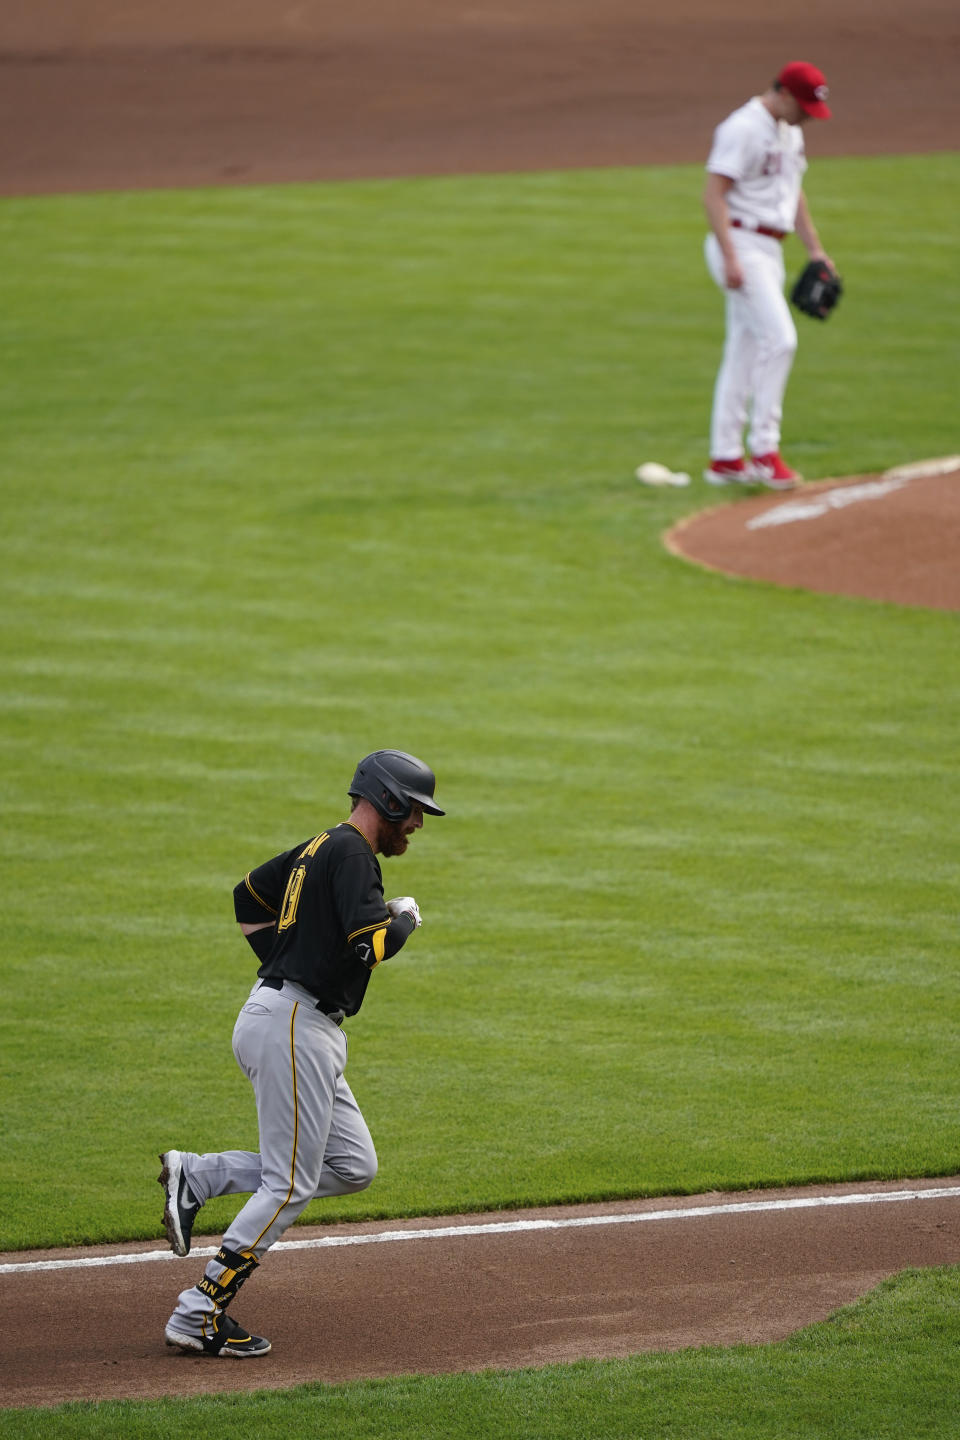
(761, 341)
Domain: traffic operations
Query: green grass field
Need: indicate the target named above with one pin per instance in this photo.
(293, 473)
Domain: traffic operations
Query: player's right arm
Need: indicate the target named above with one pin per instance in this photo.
(715, 193)
(375, 930)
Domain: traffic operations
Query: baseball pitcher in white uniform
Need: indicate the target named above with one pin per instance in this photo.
(754, 198)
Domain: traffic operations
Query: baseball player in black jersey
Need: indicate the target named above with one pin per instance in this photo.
(317, 921)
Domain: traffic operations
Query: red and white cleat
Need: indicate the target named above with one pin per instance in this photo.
(771, 471)
(727, 472)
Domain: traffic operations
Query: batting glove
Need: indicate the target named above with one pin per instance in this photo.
(406, 905)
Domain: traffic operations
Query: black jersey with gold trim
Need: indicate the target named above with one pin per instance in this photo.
(331, 924)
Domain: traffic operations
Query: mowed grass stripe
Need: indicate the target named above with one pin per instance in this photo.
(292, 473)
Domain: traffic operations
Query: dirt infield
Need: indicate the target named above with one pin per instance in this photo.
(892, 537)
(476, 1292)
(99, 96)
(95, 95)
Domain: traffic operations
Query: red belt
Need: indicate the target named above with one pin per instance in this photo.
(760, 230)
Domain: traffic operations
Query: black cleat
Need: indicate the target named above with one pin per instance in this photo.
(227, 1339)
(181, 1208)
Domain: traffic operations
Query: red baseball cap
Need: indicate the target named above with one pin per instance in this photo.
(808, 86)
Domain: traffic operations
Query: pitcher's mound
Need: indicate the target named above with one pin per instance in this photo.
(894, 536)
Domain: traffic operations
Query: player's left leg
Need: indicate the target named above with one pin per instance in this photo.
(776, 335)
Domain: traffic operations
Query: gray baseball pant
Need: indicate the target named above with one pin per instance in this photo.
(313, 1139)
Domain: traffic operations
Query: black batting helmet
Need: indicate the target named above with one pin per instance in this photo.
(394, 782)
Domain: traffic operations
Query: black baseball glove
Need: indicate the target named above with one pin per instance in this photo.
(817, 290)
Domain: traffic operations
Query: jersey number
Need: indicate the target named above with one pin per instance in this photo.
(288, 911)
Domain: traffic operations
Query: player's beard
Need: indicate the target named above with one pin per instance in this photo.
(394, 839)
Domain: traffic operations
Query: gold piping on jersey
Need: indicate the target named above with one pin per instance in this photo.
(358, 830)
(364, 929)
(259, 898)
(308, 851)
(296, 1134)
